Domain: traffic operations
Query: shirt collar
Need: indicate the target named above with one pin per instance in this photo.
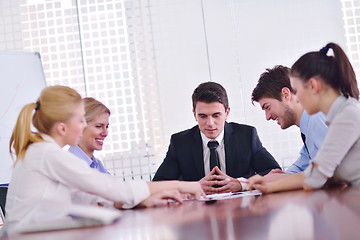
(304, 120)
(48, 138)
(80, 153)
(219, 139)
(75, 149)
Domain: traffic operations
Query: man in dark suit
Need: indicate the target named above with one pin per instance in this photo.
(238, 150)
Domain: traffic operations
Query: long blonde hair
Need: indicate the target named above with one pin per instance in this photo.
(55, 104)
(94, 108)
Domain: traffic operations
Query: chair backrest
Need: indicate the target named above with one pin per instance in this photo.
(3, 192)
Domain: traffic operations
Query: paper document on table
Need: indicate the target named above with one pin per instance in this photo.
(221, 196)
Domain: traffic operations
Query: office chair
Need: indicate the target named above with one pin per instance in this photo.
(3, 192)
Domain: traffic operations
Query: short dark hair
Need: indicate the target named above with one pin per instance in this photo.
(271, 82)
(209, 92)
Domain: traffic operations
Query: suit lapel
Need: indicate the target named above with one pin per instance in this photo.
(198, 155)
(229, 151)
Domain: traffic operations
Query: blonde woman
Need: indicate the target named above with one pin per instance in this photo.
(44, 174)
(97, 118)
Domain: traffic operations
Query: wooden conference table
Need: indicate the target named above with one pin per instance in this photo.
(322, 214)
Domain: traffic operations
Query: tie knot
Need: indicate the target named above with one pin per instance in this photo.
(213, 144)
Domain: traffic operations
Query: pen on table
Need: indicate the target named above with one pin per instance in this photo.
(236, 193)
(186, 200)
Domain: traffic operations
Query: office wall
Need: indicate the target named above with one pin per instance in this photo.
(173, 45)
(232, 42)
(10, 27)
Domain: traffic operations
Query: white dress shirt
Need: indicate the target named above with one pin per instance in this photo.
(221, 153)
(220, 150)
(41, 184)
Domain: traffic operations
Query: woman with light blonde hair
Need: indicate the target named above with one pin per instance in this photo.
(44, 174)
(97, 118)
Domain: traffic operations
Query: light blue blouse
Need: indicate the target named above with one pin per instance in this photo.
(93, 162)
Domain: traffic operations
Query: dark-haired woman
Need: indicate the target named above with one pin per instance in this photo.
(326, 83)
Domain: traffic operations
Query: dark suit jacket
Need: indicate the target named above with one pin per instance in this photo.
(244, 155)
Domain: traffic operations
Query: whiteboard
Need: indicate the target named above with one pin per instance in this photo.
(22, 79)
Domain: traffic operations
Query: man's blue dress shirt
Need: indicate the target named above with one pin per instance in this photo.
(314, 129)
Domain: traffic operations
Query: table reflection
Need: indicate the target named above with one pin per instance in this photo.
(322, 214)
